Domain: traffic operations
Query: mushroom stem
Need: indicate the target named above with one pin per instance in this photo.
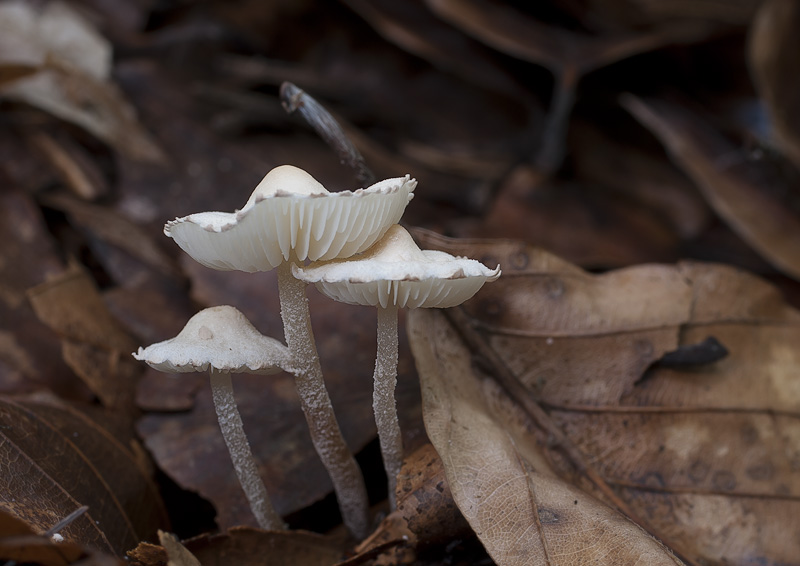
(230, 421)
(348, 482)
(383, 400)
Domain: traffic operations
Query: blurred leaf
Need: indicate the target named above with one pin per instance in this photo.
(412, 26)
(702, 456)
(587, 223)
(56, 460)
(774, 56)
(94, 344)
(760, 204)
(177, 554)
(244, 546)
(74, 64)
(29, 352)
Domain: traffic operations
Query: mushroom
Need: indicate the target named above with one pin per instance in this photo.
(222, 341)
(395, 273)
(291, 217)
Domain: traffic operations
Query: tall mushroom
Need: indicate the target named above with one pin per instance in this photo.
(222, 341)
(392, 274)
(290, 217)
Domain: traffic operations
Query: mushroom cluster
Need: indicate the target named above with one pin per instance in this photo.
(358, 254)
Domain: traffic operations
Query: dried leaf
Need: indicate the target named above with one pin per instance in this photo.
(703, 457)
(94, 344)
(177, 554)
(519, 508)
(74, 64)
(426, 514)
(411, 26)
(113, 228)
(249, 547)
(752, 198)
(55, 460)
(773, 59)
(29, 352)
(588, 224)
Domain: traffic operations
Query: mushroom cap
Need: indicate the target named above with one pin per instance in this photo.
(396, 272)
(219, 338)
(291, 215)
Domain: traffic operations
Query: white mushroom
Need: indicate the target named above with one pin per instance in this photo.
(393, 274)
(290, 217)
(222, 341)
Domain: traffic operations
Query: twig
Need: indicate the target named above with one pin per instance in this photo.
(66, 521)
(295, 99)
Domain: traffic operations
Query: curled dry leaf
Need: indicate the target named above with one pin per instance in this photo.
(704, 457)
(244, 546)
(94, 344)
(91, 468)
(754, 199)
(73, 63)
(774, 56)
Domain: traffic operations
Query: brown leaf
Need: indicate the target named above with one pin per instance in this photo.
(773, 59)
(586, 223)
(753, 199)
(29, 352)
(426, 514)
(244, 546)
(518, 34)
(703, 457)
(177, 554)
(113, 228)
(55, 460)
(74, 64)
(519, 508)
(94, 344)
(411, 26)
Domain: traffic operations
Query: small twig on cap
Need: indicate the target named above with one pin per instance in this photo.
(295, 99)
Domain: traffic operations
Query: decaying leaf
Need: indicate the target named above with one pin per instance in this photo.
(703, 456)
(55, 460)
(244, 546)
(94, 344)
(774, 55)
(73, 65)
(757, 202)
(426, 514)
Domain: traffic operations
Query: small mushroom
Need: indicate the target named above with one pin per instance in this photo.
(291, 217)
(222, 341)
(395, 273)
